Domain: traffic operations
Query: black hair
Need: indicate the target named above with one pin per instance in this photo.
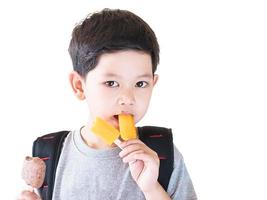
(108, 31)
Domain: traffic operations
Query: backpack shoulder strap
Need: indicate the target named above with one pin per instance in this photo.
(48, 148)
(160, 140)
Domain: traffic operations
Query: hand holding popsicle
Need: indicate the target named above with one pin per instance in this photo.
(143, 161)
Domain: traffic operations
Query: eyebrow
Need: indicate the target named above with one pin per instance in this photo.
(119, 76)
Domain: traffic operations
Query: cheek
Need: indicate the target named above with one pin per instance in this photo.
(144, 97)
(100, 99)
(143, 100)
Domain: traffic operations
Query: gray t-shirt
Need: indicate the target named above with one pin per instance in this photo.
(84, 173)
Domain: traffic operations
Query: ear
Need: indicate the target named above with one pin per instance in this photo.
(77, 85)
(155, 79)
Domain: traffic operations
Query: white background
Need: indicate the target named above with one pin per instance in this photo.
(212, 89)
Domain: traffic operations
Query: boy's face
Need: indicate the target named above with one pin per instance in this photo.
(122, 82)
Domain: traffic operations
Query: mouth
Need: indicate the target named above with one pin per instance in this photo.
(116, 117)
(115, 121)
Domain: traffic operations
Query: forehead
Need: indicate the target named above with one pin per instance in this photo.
(126, 62)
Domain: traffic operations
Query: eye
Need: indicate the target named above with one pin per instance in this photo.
(111, 84)
(142, 84)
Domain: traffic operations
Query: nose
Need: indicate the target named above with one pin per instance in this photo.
(126, 99)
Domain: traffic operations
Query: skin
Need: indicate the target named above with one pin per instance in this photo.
(28, 195)
(122, 82)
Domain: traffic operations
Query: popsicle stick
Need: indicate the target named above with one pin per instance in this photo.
(118, 142)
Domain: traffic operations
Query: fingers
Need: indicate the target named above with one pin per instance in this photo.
(133, 145)
(131, 157)
(141, 155)
(28, 195)
(131, 148)
(129, 142)
(136, 150)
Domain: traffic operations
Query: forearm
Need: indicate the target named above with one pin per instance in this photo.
(157, 193)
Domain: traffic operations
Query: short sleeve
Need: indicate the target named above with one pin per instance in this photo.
(180, 185)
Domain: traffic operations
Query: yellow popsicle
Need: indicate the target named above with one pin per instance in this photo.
(105, 131)
(127, 127)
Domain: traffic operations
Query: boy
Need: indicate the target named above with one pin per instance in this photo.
(115, 56)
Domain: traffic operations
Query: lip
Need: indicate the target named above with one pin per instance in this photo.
(116, 116)
(114, 121)
(125, 113)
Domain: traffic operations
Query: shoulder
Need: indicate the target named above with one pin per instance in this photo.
(178, 160)
(53, 136)
(180, 186)
(177, 155)
(50, 142)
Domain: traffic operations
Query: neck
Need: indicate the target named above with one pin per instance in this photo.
(92, 140)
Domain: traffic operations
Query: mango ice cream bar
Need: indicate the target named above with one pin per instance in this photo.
(33, 171)
(110, 134)
(105, 131)
(127, 127)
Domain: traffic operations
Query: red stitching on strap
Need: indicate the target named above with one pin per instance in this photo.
(48, 137)
(45, 158)
(162, 158)
(156, 136)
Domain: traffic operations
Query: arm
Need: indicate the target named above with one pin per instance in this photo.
(144, 167)
(158, 193)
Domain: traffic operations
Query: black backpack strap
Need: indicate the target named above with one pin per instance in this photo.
(48, 148)
(160, 140)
